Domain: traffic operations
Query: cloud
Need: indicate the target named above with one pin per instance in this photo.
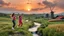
(49, 4)
(60, 3)
(36, 9)
(3, 3)
(57, 3)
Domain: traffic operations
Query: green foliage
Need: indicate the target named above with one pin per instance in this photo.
(6, 27)
(52, 32)
(45, 31)
(49, 32)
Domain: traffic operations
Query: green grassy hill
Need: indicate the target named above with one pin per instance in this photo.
(6, 27)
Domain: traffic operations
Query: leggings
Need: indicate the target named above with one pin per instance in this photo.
(13, 23)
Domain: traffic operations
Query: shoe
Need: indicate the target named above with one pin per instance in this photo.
(12, 28)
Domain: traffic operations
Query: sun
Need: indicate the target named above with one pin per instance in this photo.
(29, 9)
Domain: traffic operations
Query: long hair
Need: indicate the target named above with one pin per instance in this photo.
(13, 14)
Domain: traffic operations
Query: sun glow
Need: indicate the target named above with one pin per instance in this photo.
(28, 7)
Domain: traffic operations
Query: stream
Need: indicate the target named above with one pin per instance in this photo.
(34, 28)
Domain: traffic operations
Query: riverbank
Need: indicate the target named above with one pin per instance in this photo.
(50, 28)
(34, 28)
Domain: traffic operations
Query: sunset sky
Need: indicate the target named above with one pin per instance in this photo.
(32, 6)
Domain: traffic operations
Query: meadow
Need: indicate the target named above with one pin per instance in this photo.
(46, 29)
(50, 28)
(6, 27)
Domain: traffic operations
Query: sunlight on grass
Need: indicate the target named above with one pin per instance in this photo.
(6, 25)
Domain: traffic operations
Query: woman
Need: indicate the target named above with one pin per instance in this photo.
(20, 20)
(13, 20)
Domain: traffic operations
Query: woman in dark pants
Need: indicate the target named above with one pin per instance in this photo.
(13, 20)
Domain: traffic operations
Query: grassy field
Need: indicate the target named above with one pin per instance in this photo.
(45, 22)
(47, 28)
(50, 28)
(6, 27)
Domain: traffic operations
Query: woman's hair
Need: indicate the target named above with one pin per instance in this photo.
(19, 15)
(13, 14)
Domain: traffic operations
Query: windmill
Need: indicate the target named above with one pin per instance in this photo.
(51, 6)
(52, 12)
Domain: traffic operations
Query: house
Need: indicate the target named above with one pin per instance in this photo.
(58, 18)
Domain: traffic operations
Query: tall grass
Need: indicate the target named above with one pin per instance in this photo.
(50, 28)
(6, 27)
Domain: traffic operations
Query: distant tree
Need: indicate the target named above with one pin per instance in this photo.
(47, 15)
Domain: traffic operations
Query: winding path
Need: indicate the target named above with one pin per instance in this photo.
(34, 29)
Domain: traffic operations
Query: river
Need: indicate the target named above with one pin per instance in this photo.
(34, 28)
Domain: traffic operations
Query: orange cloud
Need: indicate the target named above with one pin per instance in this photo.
(34, 6)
